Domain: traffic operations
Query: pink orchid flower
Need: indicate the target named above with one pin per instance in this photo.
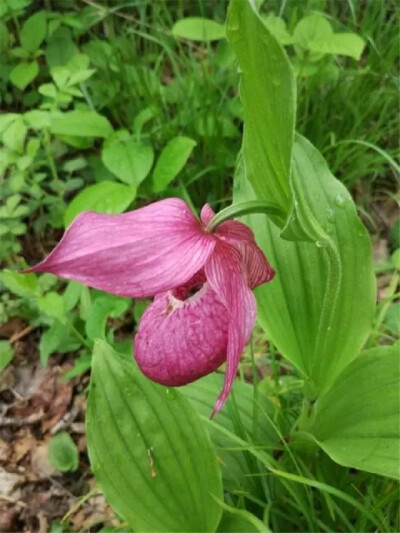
(203, 310)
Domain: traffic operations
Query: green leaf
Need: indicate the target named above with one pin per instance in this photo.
(236, 520)
(6, 354)
(314, 33)
(49, 90)
(33, 32)
(323, 295)
(104, 306)
(80, 123)
(72, 294)
(60, 75)
(81, 365)
(52, 304)
(198, 29)
(277, 26)
(56, 339)
(60, 48)
(24, 285)
(80, 76)
(23, 74)
(392, 317)
(171, 161)
(150, 453)
(63, 453)
(357, 421)
(128, 159)
(311, 28)
(267, 91)
(6, 119)
(50, 340)
(238, 417)
(14, 136)
(345, 44)
(325, 288)
(103, 197)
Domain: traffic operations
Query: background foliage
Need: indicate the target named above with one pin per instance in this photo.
(109, 106)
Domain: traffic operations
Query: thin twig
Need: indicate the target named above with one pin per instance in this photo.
(17, 336)
(20, 422)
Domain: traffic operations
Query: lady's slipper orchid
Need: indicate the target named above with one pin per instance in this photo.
(203, 310)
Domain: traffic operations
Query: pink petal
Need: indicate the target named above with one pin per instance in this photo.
(225, 276)
(181, 337)
(255, 264)
(136, 254)
(206, 214)
(254, 261)
(234, 231)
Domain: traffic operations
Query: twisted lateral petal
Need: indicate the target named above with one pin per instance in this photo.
(255, 264)
(224, 274)
(136, 254)
(257, 268)
(231, 230)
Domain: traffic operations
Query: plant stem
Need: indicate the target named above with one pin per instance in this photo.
(244, 208)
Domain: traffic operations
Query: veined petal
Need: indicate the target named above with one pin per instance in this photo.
(234, 231)
(257, 268)
(255, 264)
(225, 275)
(182, 337)
(136, 254)
(206, 214)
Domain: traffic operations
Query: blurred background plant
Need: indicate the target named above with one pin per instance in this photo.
(111, 105)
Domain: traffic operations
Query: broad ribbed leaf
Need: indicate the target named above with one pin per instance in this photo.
(238, 417)
(319, 308)
(267, 91)
(149, 451)
(357, 422)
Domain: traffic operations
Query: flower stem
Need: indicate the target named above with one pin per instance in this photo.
(244, 208)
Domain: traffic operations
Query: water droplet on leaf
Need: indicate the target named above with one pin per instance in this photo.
(330, 215)
(170, 393)
(340, 200)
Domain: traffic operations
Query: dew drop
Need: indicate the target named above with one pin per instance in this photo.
(339, 200)
(330, 215)
(170, 393)
(321, 244)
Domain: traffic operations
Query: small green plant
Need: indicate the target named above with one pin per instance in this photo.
(63, 453)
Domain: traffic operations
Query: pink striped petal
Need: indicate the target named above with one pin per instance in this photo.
(255, 264)
(206, 214)
(234, 231)
(136, 254)
(225, 275)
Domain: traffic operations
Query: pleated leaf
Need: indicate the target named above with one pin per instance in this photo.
(357, 422)
(267, 90)
(149, 451)
(319, 308)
